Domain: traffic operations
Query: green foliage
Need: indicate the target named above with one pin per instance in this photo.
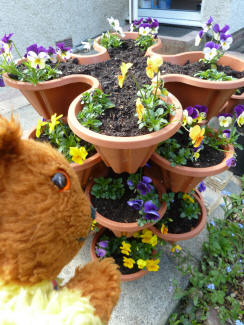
(63, 138)
(108, 188)
(95, 104)
(156, 110)
(144, 42)
(214, 75)
(109, 40)
(174, 152)
(216, 283)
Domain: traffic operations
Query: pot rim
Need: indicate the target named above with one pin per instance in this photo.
(123, 226)
(140, 141)
(192, 233)
(124, 277)
(195, 56)
(43, 85)
(194, 171)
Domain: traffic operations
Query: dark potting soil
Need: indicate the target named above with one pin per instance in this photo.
(119, 258)
(117, 210)
(208, 156)
(178, 225)
(44, 138)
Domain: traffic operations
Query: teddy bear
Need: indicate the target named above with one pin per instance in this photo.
(44, 220)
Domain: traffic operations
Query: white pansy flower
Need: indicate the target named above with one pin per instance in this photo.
(240, 119)
(209, 53)
(226, 43)
(225, 121)
(37, 60)
(144, 31)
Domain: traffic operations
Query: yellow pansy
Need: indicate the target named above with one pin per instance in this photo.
(176, 249)
(164, 229)
(128, 262)
(141, 263)
(196, 135)
(125, 67)
(139, 109)
(152, 265)
(93, 225)
(54, 122)
(146, 236)
(153, 63)
(137, 234)
(125, 248)
(196, 155)
(78, 154)
(154, 240)
(188, 197)
(121, 80)
(39, 126)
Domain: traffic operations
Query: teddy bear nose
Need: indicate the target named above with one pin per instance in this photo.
(60, 180)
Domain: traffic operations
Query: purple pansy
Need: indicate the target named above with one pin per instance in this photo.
(239, 109)
(51, 50)
(150, 211)
(2, 83)
(216, 28)
(231, 162)
(144, 186)
(100, 252)
(148, 20)
(210, 20)
(192, 112)
(201, 187)
(155, 24)
(225, 115)
(62, 47)
(130, 183)
(226, 133)
(224, 29)
(34, 48)
(212, 45)
(144, 25)
(103, 244)
(147, 165)
(135, 204)
(6, 39)
(189, 109)
(201, 108)
(223, 37)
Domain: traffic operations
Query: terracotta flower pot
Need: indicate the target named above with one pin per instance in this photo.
(125, 228)
(172, 238)
(124, 154)
(90, 167)
(185, 179)
(232, 102)
(54, 96)
(124, 277)
(191, 91)
(103, 54)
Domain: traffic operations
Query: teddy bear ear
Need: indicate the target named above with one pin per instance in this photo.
(10, 136)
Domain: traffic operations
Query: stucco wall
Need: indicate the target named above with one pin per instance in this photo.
(46, 21)
(224, 12)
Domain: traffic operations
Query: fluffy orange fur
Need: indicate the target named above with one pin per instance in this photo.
(39, 225)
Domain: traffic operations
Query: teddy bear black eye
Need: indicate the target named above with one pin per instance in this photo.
(61, 180)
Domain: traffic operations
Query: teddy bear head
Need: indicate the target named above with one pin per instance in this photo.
(44, 214)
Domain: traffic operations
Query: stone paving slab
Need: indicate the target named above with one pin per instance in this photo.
(219, 181)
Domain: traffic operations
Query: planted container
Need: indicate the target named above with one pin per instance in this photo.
(185, 179)
(124, 277)
(191, 91)
(54, 96)
(172, 238)
(125, 154)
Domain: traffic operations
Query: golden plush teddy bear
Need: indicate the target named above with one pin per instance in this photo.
(44, 219)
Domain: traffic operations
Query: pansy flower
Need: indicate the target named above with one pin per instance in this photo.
(164, 229)
(100, 252)
(6, 43)
(199, 37)
(144, 31)
(2, 84)
(140, 109)
(63, 51)
(225, 41)
(152, 265)
(197, 135)
(186, 118)
(52, 54)
(37, 56)
(135, 204)
(141, 263)
(103, 244)
(144, 186)
(39, 126)
(225, 119)
(239, 110)
(207, 25)
(128, 262)
(176, 249)
(150, 211)
(231, 162)
(202, 110)
(210, 50)
(216, 30)
(78, 154)
(201, 187)
(54, 122)
(153, 64)
(125, 248)
(226, 133)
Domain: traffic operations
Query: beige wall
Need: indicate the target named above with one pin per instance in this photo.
(229, 12)
(46, 21)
